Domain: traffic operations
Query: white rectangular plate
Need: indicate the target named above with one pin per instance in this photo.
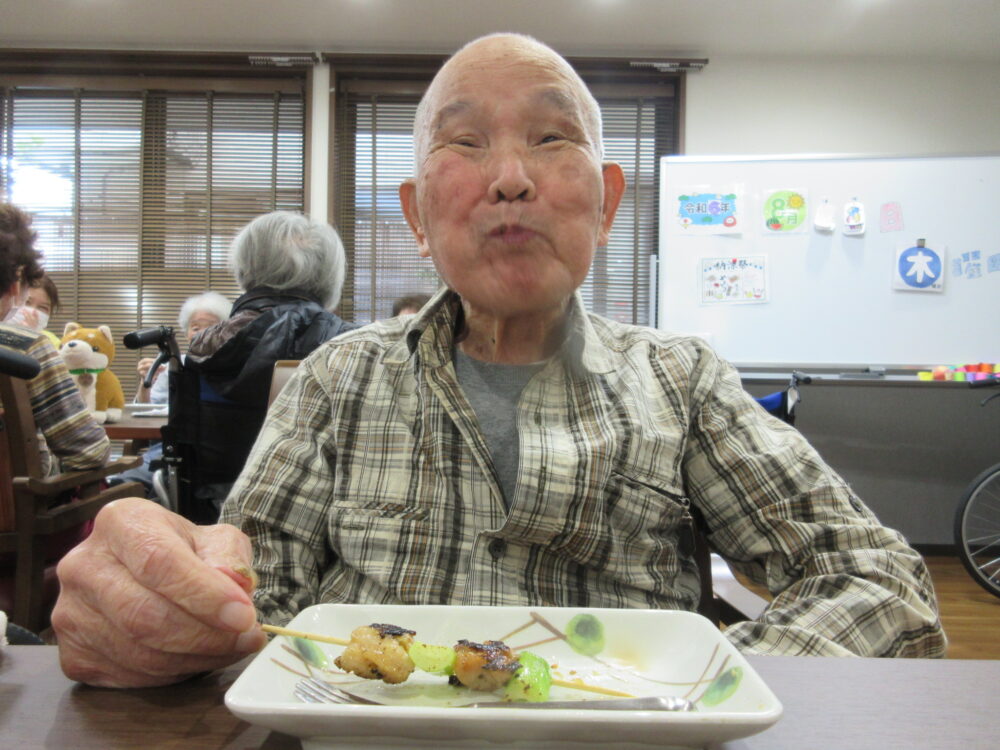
(644, 652)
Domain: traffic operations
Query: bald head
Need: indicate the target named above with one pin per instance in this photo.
(497, 52)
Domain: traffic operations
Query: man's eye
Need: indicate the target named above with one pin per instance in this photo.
(551, 138)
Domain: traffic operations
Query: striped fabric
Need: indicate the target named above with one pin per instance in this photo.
(371, 482)
(71, 434)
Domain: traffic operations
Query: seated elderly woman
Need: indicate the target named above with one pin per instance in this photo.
(197, 313)
(292, 269)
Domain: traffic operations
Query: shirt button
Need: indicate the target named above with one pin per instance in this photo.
(497, 548)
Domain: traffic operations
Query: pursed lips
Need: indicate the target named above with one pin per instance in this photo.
(512, 234)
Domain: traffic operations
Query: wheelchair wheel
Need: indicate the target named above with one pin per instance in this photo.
(977, 529)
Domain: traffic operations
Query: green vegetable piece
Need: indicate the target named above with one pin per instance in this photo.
(309, 651)
(433, 659)
(585, 635)
(531, 682)
(723, 686)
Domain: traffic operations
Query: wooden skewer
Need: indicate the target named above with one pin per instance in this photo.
(300, 634)
(572, 684)
(581, 685)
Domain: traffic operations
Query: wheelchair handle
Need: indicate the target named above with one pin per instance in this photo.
(163, 356)
(148, 336)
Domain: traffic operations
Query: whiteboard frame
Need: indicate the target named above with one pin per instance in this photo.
(873, 237)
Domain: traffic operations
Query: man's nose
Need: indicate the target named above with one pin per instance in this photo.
(511, 179)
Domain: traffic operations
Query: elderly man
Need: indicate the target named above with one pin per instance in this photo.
(502, 446)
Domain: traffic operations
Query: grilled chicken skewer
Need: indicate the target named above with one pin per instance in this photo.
(390, 653)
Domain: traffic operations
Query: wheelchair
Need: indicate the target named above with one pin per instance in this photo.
(207, 437)
(781, 404)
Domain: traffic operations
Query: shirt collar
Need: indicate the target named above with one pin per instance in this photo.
(431, 333)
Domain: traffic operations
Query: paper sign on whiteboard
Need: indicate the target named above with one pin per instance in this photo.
(919, 268)
(701, 211)
(735, 280)
(785, 211)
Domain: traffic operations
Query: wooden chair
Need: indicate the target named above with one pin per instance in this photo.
(43, 506)
(283, 370)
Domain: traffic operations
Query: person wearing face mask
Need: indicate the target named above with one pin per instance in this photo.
(72, 438)
(41, 302)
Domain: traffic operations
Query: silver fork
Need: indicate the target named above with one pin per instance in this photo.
(311, 690)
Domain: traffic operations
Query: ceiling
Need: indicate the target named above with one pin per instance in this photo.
(901, 29)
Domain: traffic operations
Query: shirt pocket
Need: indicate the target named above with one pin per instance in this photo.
(651, 522)
(386, 552)
(373, 537)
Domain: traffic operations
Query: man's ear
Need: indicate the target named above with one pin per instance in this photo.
(408, 200)
(614, 189)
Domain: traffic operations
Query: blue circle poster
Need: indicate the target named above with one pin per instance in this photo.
(919, 268)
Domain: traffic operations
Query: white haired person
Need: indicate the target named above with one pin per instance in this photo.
(292, 270)
(503, 446)
(197, 313)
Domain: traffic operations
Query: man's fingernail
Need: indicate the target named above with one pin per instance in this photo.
(237, 615)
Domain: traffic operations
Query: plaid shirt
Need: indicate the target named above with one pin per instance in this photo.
(371, 482)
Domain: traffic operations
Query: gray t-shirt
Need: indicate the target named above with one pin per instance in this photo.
(493, 391)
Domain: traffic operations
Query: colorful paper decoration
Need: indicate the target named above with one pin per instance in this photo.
(785, 211)
(709, 213)
(734, 280)
(891, 217)
(919, 268)
(854, 217)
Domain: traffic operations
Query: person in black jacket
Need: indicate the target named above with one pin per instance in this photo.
(292, 269)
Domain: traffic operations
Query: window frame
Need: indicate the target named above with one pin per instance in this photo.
(150, 75)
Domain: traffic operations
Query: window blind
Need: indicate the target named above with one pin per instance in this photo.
(373, 152)
(136, 194)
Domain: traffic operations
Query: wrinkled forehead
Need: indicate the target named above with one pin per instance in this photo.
(463, 101)
(474, 75)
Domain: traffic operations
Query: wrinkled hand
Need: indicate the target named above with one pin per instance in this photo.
(143, 367)
(149, 598)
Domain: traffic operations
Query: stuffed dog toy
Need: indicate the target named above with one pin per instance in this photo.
(88, 353)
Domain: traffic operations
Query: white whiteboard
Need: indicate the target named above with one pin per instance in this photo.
(830, 296)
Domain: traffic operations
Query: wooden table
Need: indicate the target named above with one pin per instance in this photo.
(862, 704)
(135, 428)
